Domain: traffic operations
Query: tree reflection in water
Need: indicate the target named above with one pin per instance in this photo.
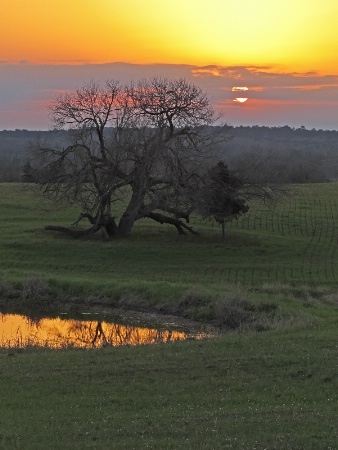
(21, 331)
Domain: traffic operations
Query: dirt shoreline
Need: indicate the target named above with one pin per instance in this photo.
(75, 310)
(154, 318)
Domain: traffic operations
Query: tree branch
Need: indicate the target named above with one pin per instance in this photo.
(180, 226)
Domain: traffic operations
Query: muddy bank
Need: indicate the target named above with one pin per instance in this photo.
(36, 298)
(152, 319)
(232, 311)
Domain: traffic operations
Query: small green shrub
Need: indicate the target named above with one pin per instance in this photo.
(7, 291)
(233, 313)
(35, 288)
(331, 299)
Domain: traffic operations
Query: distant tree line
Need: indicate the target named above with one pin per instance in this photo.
(294, 155)
(291, 155)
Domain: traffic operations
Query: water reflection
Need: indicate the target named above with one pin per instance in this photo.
(22, 331)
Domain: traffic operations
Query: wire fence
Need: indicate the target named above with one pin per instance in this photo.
(306, 221)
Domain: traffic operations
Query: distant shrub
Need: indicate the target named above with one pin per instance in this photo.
(267, 307)
(277, 288)
(234, 311)
(191, 298)
(7, 291)
(35, 288)
(331, 299)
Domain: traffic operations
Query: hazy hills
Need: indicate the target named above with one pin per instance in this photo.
(294, 155)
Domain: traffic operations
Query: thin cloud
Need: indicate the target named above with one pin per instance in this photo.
(268, 73)
(310, 87)
(273, 94)
(268, 82)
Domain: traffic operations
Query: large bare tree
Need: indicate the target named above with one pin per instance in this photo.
(149, 143)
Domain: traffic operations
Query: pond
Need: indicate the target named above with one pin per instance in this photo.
(21, 331)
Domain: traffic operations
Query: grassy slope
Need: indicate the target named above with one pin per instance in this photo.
(294, 243)
(259, 390)
(251, 391)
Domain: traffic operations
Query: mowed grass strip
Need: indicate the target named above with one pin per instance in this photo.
(258, 390)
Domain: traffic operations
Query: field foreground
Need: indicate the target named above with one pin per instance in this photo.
(276, 272)
(262, 390)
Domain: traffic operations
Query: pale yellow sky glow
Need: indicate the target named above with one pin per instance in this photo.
(283, 52)
(300, 34)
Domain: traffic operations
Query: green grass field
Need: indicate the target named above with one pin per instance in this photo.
(293, 242)
(242, 390)
(254, 391)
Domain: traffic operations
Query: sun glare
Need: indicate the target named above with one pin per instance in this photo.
(241, 90)
(240, 99)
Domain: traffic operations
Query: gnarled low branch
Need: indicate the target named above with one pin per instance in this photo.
(180, 226)
(71, 231)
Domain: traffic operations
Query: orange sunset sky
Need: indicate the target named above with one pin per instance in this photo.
(284, 52)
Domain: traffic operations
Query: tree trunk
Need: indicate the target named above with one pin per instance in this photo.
(131, 213)
(126, 225)
(108, 227)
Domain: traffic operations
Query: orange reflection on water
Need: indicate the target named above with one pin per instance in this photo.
(21, 331)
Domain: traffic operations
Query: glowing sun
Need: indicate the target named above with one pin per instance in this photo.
(240, 99)
(241, 89)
